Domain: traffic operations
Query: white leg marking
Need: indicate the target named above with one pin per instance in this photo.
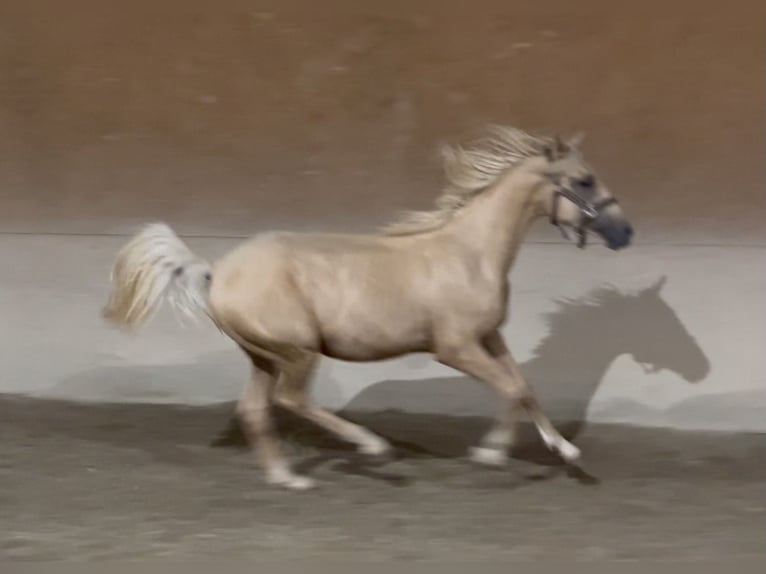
(568, 451)
(488, 456)
(374, 446)
(559, 444)
(280, 475)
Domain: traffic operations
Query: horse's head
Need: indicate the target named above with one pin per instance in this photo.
(573, 196)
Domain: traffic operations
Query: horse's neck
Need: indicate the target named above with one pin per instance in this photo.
(495, 224)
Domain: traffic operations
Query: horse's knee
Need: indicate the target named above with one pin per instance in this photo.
(518, 396)
(255, 416)
(290, 399)
(245, 410)
(526, 400)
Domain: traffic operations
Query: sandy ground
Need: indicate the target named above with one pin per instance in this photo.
(130, 481)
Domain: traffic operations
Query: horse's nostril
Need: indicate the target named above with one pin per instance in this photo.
(628, 230)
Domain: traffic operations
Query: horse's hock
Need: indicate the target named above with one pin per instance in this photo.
(229, 120)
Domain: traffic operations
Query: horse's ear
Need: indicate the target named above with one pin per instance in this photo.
(556, 150)
(658, 285)
(575, 141)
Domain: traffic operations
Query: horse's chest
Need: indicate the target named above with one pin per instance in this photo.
(488, 305)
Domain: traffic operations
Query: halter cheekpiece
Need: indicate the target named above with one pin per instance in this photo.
(588, 210)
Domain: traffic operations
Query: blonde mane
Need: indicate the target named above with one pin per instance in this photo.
(470, 170)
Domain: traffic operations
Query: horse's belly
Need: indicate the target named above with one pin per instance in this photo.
(354, 352)
(370, 342)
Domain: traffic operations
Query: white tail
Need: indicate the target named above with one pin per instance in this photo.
(153, 266)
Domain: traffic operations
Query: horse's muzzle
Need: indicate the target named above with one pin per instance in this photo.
(616, 234)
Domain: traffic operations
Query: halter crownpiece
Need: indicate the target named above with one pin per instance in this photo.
(588, 210)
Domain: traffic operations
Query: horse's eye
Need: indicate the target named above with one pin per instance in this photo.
(587, 181)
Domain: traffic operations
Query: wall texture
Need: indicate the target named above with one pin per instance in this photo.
(228, 118)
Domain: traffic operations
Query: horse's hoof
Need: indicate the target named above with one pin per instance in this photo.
(569, 452)
(377, 450)
(290, 481)
(566, 450)
(300, 483)
(485, 456)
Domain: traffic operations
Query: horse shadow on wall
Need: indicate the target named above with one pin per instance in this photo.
(585, 336)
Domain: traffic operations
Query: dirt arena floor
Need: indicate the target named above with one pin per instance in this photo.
(83, 482)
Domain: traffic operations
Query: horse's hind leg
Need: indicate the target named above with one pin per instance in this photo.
(254, 409)
(292, 393)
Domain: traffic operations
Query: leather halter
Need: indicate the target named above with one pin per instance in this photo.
(588, 211)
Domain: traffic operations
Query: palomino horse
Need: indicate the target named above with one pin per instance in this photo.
(435, 281)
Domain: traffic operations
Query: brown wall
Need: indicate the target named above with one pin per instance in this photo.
(221, 116)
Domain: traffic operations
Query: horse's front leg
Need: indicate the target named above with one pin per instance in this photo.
(494, 446)
(491, 362)
(496, 347)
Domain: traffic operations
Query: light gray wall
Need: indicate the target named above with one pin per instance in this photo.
(229, 119)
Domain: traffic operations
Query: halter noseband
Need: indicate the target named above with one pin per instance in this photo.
(588, 211)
